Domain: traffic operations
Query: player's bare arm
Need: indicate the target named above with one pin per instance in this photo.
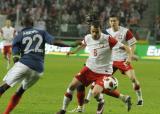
(129, 52)
(82, 46)
(60, 43)
(133, 57)
(63, 44)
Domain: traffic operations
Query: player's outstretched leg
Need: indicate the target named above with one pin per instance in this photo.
(125, 98)
(14, 100)
(3, 88)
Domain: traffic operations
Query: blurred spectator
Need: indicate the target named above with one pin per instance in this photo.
(64, 12)
(157, 28)
(82, 29)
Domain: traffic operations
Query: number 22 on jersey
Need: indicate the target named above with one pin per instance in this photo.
(32, 43)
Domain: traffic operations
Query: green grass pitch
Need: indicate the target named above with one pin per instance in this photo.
(46, 96)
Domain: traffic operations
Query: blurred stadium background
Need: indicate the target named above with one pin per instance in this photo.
(65, 19)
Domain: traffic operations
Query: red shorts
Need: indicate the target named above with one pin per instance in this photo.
(86, 76)
(7, 50)
(121, 66)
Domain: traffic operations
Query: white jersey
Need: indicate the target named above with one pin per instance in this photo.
(99, 60)
(124, 36)
(8, 35)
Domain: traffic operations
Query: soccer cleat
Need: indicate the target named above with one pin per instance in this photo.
(61, 112)
(140, 103)
(128, 103)
(79, 109)
(100, 108)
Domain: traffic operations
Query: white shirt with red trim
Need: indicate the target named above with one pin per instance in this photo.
(99, 60)
(8, 35)
(124, 36)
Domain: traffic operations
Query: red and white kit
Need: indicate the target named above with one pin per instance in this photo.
(119, 56)
(8, 34)
(98, 64)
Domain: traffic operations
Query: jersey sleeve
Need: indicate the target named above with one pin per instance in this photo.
(112, 42)
(84, 41)
(48, 38)
(130, 38)
(16, 45)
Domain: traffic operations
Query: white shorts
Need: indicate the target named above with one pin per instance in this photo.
(21, 73)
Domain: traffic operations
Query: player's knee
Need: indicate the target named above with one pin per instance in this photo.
(4, 87)
(68, 95)
(95, 93)
(72, 86)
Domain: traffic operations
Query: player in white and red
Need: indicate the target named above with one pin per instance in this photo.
(8, 33)
(98, 65)
(119, 56)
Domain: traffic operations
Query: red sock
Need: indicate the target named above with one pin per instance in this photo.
(12, 104)
(80, 97)
(136, 87)
(114, 93)
(0, 94)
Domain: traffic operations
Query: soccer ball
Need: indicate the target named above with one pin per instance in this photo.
(110, 83)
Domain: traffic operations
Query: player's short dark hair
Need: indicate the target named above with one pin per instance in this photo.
(114, 15)
(28, 21)
(96, 23)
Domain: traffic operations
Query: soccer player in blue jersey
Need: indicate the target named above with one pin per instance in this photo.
(28, 55)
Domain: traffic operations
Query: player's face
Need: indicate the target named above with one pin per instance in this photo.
(8, 23)
(95, 32)
(114, 22)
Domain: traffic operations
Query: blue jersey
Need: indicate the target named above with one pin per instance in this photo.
(30, 45)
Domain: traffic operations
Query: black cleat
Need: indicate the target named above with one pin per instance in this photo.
(61, 112)
(128, 103)
(140, 103)
(100, 108)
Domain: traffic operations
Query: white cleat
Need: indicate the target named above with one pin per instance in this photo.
(78, 109)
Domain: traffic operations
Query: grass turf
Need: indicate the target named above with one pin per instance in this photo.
(46, 96)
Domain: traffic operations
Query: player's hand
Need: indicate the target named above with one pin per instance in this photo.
(15, 59)
(69, 53)
(135, 57)
(128, 61)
